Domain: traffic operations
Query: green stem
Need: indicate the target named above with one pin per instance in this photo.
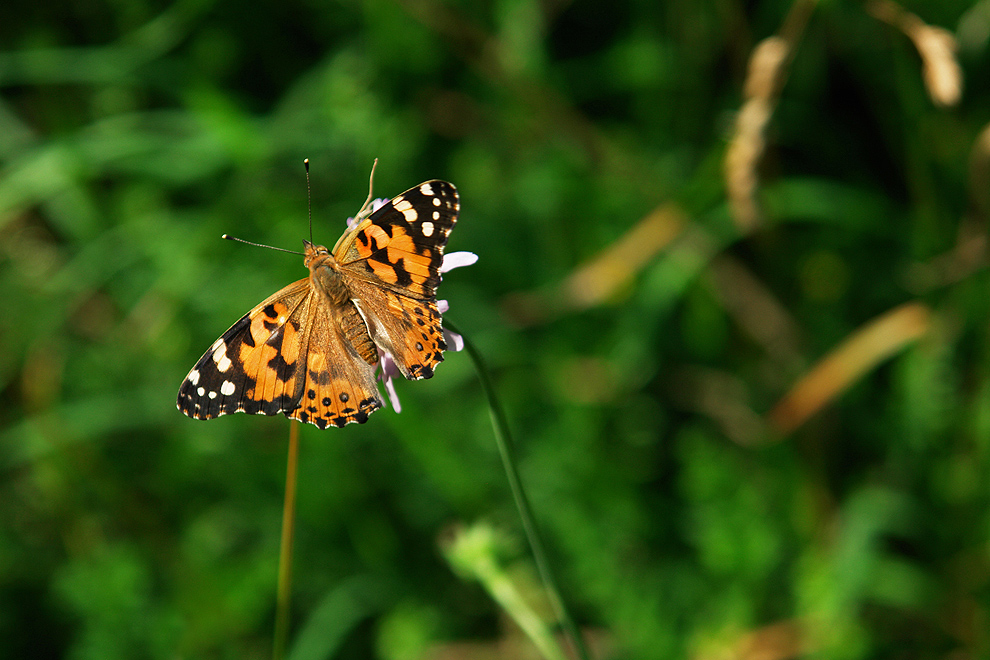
(506, 449)
(284, 592)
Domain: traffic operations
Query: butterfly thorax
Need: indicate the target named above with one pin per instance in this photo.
(326, 278)
(324, 273)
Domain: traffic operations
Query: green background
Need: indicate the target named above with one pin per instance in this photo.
(682, 523)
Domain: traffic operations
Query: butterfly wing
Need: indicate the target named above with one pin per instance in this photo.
(392, 261)
(338, 384)
(252, 367)
(283, 350)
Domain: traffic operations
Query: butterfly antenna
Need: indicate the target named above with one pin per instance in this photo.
(366, 207)
(309, 199)
(261, 245)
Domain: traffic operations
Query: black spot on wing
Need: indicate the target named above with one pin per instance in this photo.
(252, 407)
(284, 371)
(239, 332)
(402, 276)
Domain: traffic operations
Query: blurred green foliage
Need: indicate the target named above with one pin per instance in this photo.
(682, 524)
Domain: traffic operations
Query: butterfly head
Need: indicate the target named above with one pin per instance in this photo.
(313, 252)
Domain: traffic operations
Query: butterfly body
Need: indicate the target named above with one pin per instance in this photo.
(309, 351)
(325, 275)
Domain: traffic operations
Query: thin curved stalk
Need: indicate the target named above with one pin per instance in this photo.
(506, 450)
(284, 591)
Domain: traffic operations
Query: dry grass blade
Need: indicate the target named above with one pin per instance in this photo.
(724, 398)
(606, 273)
(966, 257)
(862, 351)
(969, 254)
(765, 77)
(936, 46)
(742, 159)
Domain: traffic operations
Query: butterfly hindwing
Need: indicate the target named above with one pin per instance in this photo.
(338, 383)
(409, 329)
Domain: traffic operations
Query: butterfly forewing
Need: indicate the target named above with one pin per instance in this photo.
(253, 366)
(401, 244)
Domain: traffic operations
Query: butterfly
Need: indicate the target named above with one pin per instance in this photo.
(310, 350)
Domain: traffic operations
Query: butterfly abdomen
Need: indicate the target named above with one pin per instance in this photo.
(352, 325)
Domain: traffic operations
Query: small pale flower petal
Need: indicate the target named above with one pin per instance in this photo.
(454, 341)
(386, 372)
(457, 260)
(393, 397)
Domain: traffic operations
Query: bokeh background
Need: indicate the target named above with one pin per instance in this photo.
(732, 291)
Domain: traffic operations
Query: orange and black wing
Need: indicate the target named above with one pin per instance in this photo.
(254, 367)
(284, 356)
(392, 261)
(338, 385)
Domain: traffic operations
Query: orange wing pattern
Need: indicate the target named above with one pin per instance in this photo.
(253, 366)
(394, 261)
(338, 384)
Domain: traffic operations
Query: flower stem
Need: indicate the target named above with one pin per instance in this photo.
(506, 449)
(284, 591)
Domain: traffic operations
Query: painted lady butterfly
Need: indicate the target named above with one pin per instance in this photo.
(310, 350)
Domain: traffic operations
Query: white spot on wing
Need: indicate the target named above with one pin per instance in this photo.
(436, 201)
(194, 377)
(227, 388)
(213, 395)
(436, 215)
(402, 205)
(220, 356)
(426, 189)
(200, 391)
(427, 228)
